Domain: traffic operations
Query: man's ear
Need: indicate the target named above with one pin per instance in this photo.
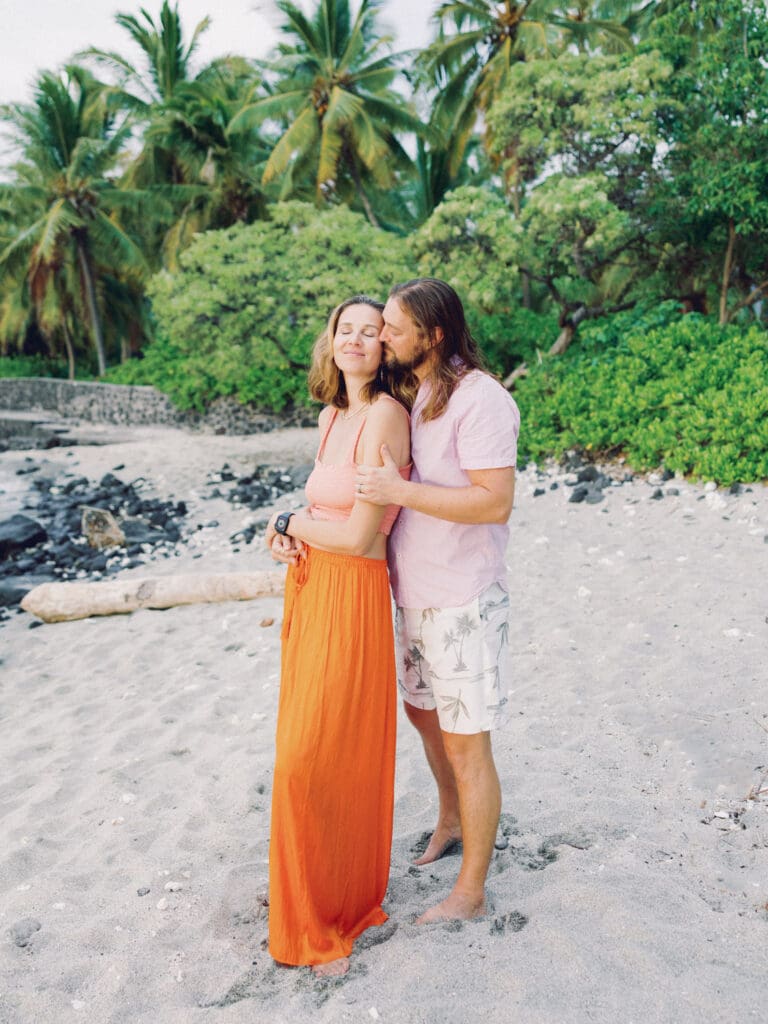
(438, 335)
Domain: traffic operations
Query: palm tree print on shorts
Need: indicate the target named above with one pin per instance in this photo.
(454, 638)
(413, 660)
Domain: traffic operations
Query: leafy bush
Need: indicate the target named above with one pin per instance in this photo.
(32, 366)
(686, 393)
(469, 242)
(242, 314)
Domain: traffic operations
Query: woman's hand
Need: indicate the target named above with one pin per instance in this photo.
(287, 550)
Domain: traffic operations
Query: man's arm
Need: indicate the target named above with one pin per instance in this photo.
(487, 498)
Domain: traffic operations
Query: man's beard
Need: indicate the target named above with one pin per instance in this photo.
(418, 359)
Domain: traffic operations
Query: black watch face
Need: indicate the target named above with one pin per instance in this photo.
(281, 523)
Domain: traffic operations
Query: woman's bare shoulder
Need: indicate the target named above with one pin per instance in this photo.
(388, 408)
(325, 414)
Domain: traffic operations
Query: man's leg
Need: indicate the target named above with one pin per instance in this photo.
(448, 829)
(479, 793)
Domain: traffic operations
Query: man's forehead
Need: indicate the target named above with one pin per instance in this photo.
(394, 311)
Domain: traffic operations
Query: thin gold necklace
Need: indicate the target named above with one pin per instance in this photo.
(351, 415)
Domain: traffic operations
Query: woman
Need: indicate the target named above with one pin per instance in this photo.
(332, 794)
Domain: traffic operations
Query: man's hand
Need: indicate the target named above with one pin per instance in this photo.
(379, 485)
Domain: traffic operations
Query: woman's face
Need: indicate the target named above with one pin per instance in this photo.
(356, 345)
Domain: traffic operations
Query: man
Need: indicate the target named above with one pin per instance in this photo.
(447, 565)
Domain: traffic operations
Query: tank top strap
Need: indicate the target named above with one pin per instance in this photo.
(326, 432)
(353, 452)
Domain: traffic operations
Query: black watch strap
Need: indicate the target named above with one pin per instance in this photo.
(281, 523)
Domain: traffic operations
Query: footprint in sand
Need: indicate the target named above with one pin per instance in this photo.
(513, 921)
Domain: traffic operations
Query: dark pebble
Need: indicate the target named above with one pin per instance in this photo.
(538, 492)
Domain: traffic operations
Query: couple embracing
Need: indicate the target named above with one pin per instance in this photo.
(421, 501)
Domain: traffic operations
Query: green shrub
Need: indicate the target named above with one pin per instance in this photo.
(242, 314)
(687, 394)
(468, 242)
(32, 366)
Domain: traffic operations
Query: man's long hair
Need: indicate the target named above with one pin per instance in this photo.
(431, 303)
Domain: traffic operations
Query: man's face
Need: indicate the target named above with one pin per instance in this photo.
(405, 346)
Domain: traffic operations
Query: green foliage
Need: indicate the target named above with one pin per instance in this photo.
(469, 242)
(32, 366)
(712, 203)
(688, 394)
(331, 90)
(577, 138)
(242, 314)
(62, 230)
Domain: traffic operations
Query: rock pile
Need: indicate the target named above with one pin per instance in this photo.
(46, 540)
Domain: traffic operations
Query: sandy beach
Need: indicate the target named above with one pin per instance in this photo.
(632, 882)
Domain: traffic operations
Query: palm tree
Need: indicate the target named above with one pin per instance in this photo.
(66, 228)
(150, 84)
(331, 89)
(211, 177)
(479, 40)
(226, 167)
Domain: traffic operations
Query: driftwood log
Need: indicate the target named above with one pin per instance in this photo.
(62, 602)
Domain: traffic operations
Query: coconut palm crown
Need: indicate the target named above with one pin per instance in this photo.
(331, 90)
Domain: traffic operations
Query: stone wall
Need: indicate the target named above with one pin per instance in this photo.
(134, 406)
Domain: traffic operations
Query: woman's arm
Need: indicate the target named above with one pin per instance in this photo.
(385, 424)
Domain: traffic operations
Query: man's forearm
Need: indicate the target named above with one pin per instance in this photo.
(471, 504)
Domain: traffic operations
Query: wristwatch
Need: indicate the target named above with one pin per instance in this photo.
(281, 523)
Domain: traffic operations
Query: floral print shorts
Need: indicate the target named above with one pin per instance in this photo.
(457, 661)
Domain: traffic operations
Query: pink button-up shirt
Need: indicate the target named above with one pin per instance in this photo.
(434, 563)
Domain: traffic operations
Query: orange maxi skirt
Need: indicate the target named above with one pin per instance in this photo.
(333, 789)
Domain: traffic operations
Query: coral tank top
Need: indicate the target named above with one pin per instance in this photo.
(330, 489)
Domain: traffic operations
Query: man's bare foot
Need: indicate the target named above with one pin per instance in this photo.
(333, 969)
(441, 841)
(455, 907)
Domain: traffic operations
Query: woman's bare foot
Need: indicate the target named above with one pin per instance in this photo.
(441, 841)
(333, 969)
(455, 907)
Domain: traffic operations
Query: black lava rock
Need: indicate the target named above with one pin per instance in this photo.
(18, 533)
(58, 548)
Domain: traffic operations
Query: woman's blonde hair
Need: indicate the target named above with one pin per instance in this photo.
(326, 382)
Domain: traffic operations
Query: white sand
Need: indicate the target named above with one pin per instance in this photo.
(136, 754)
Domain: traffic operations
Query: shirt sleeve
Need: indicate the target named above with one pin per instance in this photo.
(488, 425)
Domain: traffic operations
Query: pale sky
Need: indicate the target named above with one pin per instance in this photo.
(42, 34)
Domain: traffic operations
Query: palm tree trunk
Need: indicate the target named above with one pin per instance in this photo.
(69, 348)
(90, 297)
(361, 193)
